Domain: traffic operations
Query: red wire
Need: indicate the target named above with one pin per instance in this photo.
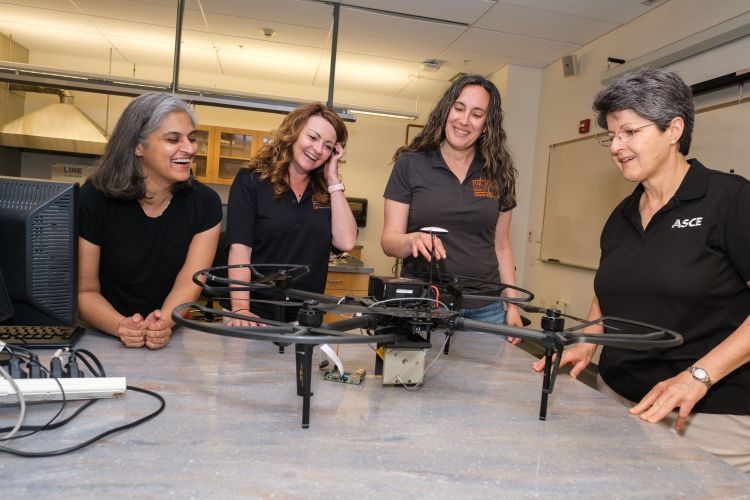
(437, 295)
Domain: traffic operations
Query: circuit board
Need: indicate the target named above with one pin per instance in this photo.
(355, 378)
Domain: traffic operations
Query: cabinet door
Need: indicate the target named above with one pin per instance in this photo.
(235, 149)
(202, 158)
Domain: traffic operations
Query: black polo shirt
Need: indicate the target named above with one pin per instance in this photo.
(280, 231)
(468, 210)
(688, 271)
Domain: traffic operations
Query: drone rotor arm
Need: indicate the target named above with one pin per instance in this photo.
(493, 328)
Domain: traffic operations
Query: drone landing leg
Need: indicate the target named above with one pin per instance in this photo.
(546, 385)
(447, 347)
(303, 356)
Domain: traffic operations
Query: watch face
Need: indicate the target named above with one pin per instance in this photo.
(700, 373)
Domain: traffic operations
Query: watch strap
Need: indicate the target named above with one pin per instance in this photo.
(336, 187)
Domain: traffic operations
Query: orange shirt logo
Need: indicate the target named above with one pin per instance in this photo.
(484, 188)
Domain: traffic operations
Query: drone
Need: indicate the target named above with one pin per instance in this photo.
(398, 314)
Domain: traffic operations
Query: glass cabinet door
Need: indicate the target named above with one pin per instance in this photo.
(235, 149)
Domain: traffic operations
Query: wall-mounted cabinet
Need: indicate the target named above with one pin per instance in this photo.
(222, 151)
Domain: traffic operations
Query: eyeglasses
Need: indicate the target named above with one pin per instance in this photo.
(625, 136)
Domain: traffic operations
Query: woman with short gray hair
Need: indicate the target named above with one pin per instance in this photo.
(674, 253)
(146, 225)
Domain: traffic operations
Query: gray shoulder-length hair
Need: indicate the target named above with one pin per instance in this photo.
(118, 173)
(658, 95)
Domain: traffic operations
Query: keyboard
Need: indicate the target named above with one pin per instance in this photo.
(41, 337)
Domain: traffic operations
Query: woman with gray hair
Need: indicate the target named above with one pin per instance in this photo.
(146, 225)
(674, 253)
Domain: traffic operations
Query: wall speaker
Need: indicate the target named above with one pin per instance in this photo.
(570, 65)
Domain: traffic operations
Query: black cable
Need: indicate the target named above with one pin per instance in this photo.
(63, 451)
(56, 425)
(79, 354)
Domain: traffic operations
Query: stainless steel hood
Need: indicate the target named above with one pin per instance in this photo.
(60, 127)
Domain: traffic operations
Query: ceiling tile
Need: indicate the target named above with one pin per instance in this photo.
(397, 28)
(543, 24)
(464, 11)
(523, 47)
(616, 11)
(297, 12)
(250, 28)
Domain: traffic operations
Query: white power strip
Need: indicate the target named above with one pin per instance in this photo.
(46, 389)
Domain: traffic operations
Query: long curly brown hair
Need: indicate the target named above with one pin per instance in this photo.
(492, 144)
(272, 160)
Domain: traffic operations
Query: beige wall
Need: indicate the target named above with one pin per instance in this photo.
(565, 101)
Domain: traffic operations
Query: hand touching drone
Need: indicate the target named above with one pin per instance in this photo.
(422, 243)
(579, 356)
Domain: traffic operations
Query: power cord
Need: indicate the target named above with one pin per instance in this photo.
(63, 451)
(70, 368)
(14, 352)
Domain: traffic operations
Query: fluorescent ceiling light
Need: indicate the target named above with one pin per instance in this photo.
(386, 113)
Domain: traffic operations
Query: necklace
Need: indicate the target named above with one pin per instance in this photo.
(169, 200)
(147, 209)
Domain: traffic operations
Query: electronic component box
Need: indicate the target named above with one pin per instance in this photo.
(387, 287)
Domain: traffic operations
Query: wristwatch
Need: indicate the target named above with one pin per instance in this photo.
(700, 374)
(336, 187)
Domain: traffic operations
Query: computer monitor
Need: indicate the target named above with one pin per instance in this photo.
(39, 250)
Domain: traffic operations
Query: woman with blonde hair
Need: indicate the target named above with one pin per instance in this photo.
(289, 206)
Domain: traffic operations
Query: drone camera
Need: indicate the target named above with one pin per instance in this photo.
(387, 288)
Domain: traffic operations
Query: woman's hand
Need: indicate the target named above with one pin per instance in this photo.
(151, 331)
(513, 318)
(421, 243)
(579, 356)
(681, 391)
(157, 332)
(243, 321)
(131, 331)
(332, 165)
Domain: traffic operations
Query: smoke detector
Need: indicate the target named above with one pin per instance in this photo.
(268, 32)
(430, 65)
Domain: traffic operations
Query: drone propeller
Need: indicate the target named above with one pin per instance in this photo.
(278, 331)
(214, 280)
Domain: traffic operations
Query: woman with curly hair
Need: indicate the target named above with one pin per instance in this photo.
(289, 206)
(458, 175)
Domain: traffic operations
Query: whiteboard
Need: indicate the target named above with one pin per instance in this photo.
(584, 185)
